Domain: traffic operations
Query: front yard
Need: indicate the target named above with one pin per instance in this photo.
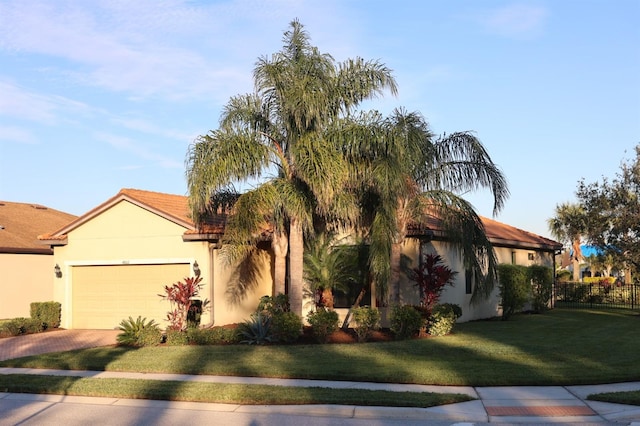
(561, 347)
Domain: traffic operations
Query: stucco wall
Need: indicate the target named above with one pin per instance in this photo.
(126, 234)
(457, 294)
(24, 278)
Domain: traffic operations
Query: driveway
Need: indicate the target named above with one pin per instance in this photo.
(55, 341)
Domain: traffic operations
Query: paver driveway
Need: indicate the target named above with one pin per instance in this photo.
(55, 341)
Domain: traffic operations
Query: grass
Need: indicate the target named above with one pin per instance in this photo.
(220, 393)
(561, 347)
(629, 398)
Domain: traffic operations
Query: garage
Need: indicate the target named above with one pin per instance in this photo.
(103, 295)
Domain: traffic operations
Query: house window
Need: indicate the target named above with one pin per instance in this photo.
(342, 299)
(468, 281)
(513, 257)
(531, 256)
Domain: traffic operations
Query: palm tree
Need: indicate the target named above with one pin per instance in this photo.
(568, 225)
(276, 133)
(404, 174)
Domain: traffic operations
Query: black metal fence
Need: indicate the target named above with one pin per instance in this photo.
(596, 295)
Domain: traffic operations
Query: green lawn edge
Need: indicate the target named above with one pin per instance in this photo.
(242, 394)
(627, 397)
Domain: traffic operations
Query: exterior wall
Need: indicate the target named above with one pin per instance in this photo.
(24, 278)
(126, 234)
(457, 293)
(237, 289)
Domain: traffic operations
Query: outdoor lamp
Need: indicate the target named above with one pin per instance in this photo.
(57, 271)
(196, 268)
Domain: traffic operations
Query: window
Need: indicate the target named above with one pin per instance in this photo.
(531, 256)
(468, 281)
(345, 299)
(513, 257)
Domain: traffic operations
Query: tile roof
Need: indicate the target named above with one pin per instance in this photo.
(172, 207)
(500, 234)
(176, 208)
(21, 223)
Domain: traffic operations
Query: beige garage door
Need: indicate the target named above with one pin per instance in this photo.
(102, 296)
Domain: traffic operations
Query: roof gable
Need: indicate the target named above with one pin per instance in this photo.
(171, 207)
(21, 223)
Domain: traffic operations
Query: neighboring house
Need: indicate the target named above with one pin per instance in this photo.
(116, 259)
(26, 266)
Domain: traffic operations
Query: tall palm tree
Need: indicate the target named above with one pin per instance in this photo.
(276, 133)
(569, 225)
(406, 175)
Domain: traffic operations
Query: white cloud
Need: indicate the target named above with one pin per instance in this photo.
(516, 20)
(144, 153)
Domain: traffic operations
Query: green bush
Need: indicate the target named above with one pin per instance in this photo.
(274, 304)
(443, 319)
(367, 320)
(286, 327)
(176, 337)
(323, 324)
(138, 332)
(599, 280)
(406, 321)
(256, 330)
(542, 287)
(563, 275)
(213, 336)
(150, 336)
(515, 288)
(18, 326)
(49, 313)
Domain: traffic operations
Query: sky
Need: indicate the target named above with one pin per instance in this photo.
(96, 96)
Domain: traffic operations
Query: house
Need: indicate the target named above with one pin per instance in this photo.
(512, 246)
(26, 266)
(116, 259)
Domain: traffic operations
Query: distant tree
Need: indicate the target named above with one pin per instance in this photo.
(569, 225)
(612, 211)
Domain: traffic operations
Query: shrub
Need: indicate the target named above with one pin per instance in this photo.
(563, 275)
(542, 287)
(431, 277)
(406, 321)
(213, 336)
(176, 337)
(274, 304)
(443, 319)
(48, 313)
(181, 296)
(515, 288)
(138, 332)
(367, 319)
(323, 324)
(18, 326)
(256, 330)
(286, 327)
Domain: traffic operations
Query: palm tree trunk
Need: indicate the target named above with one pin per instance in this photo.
(296, 256)
(394, 276)
(280, 246)
(347, 318)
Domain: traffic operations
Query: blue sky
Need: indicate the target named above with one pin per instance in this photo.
(96, 96)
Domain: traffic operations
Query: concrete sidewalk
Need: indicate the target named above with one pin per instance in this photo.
(522, 404)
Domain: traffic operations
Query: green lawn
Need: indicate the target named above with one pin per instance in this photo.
(629, 398)
(561, 347)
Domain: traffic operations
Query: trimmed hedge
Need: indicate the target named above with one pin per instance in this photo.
(49, 313)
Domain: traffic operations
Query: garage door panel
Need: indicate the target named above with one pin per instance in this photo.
(102, 296)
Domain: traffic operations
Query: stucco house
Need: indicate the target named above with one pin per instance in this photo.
(26, 266)
(116, 259)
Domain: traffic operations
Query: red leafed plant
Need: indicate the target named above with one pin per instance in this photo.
(182, 297)
(431, 277)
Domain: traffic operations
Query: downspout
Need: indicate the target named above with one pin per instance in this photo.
(211, 248)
